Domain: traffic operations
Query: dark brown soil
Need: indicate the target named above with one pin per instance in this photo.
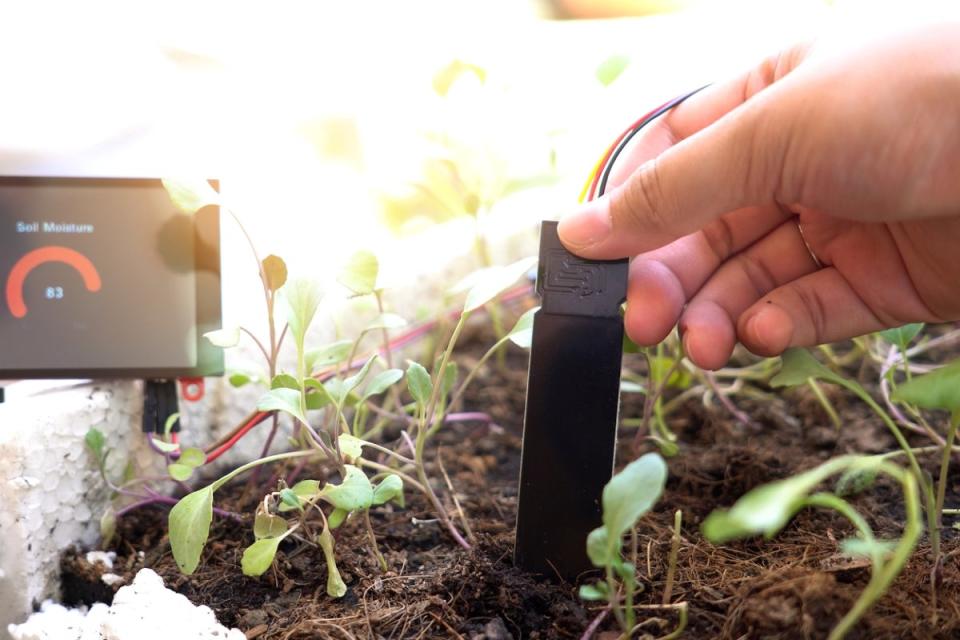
(795, 586)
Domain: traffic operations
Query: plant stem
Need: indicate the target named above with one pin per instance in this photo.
(674, 552)
(880, 580)
(824, 401)
(386, 335)
(373, 540)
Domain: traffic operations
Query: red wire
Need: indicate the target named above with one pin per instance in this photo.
(609, 152)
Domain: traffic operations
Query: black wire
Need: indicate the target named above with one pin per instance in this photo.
(627, 138)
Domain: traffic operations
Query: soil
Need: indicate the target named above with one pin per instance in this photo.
(794, 586)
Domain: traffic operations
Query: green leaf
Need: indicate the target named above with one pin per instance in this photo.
(238, 380)
(495, 280)
(861, 548)
(224, 338)
(939, 389)
(286, 400)
(95, 441)
(108, 527)
(180, 472)
(594, 592)
(388, 489)
(276, 271)
(386, 321)
(856, 480)
(169, 424)
(267, 525)
(611, 68)
(317, 395)
(290, 499)
(304, 491)
(522, 332)
(331, 354)
(189, 524)
(766, 509)
(258, 557)
(799, 365)
(354, 381)
(418, 382)
(193, 457)
(679, 379)
(337, 516)
(359, 275)
(601, 549)
(284, 381)
(382, 381)
(335, 585)
(632, 492)
(355, 493)
(350, 447)
(303, 298)
(190, 195)
(902, 336)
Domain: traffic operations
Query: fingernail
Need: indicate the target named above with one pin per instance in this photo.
(584, 228)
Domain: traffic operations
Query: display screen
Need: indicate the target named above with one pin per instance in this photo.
(105, 278)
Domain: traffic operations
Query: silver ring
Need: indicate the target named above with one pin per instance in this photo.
(813, 256)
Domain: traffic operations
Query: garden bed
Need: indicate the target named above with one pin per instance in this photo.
(795, 586)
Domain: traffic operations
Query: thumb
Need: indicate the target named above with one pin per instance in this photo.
(734, 162)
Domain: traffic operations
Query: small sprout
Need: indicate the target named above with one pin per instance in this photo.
(855, 480)
(359, 274)
(189, 528)
(381, 382)
(95, 441)
(189, 460)
(275, 270)
(258, 557)
(337, 517)
(224, 338)
(449, 379)
(594, 592)
(876, 550)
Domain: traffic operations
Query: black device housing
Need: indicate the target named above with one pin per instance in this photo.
(573, 399)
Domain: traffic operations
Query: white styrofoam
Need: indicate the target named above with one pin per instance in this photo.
(144, 610)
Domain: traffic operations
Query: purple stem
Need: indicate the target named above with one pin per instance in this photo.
(592, 629)
(724, 400)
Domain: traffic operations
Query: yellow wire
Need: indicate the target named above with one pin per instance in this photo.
(593, 173)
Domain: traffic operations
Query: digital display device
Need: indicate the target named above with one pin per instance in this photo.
(105, 277)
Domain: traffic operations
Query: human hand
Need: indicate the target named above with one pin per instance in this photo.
(860, 148)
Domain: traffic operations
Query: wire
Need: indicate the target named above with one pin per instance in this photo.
(597, 182)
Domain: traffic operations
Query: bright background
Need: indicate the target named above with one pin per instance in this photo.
(344, 125)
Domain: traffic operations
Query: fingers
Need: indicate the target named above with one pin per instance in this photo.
(804, 313)
(663, 280)
(708, 324)
(729, 155)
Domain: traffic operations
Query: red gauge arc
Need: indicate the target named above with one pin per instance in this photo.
(37, 257)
